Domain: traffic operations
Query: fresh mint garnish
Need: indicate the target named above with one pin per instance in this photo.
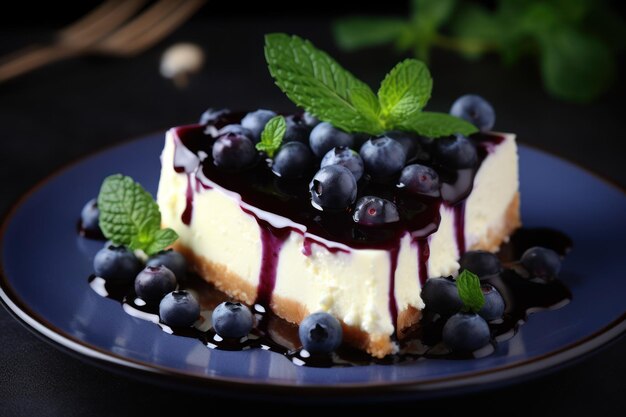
(468, 286)
(405, 91)
(129, 216)
(272, 135)
(316, 82)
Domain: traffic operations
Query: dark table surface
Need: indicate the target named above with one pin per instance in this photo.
(68, 110)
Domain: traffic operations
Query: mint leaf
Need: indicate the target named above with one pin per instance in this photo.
(434, 125)
(366, 103)
(360, 32)
(404, 91)
(272, 135)
(162, 239)
(129, 216)
(316, 82)
(468, 286)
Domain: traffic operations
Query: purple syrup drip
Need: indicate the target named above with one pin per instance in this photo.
(393, 261)
(423, 254)
(459, 226)
(188, 212)
(272, 240)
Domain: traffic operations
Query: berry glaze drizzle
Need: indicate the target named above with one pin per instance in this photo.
(281, 206)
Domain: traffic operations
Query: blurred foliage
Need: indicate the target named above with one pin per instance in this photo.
(575, 42)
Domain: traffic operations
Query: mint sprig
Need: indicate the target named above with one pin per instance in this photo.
(316, 82)
(468, 286)
(129, 216)
(272, 135)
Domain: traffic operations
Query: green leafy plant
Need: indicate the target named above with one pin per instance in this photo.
(272, 135)
(468, 287)
(574, 41)
(129, 216)
(316, 82)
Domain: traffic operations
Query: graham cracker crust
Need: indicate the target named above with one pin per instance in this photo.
(376, 345)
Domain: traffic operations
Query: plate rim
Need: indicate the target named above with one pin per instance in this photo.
(510, 373)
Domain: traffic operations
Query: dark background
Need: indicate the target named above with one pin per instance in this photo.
(51, 117)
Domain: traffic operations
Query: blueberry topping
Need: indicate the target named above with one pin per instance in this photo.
(320, 333)
(481, 263)
(345, 157)
(310, 120)
(179, 308)
(466, 332)
(293, 160)
(420, 179)
(383, 157)
(237, 130)
(325, 136)
(212, 116)
(154, 282)
(494, 303)
(373, 211)
(333, 187)
(232, 320)
(441, 296)
(255, 122)
(542, 263)
(297, 129)
(456, 152)
(174, 261)
(409, 141)
(233, 152)
(116, 263)
(90, 217)
(475, 110)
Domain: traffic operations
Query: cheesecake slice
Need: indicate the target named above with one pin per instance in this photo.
(260, 240)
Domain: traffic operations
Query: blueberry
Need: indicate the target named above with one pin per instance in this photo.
(154, 282)
(116, 263)
(494, 303)
(481, 263)
(90, 217)
(383, 157)
(325, 136)
(179, 308)
(233, 152)
(232, 320)
(542, 263)
(293, 160)
(456, 152)
(212, 116)
(310, 120)
(172, 260)
(475, 110)
(466, 332)
(236, 129)
(256, 121)
(346, 157)
(372, 211)
(320, 333)
(420, 179)
(441, 296)
(333, 187)
(409, 142)
(297, 129)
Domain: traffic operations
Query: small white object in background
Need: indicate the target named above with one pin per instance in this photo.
(181, 60)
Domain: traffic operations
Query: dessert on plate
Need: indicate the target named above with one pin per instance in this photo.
(361, 218)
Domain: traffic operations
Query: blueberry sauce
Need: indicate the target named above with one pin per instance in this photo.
(522, 297)
(260, 188)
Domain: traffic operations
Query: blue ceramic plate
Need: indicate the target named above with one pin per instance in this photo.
(45, 266)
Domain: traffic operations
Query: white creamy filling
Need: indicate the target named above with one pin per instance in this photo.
(352, 286)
